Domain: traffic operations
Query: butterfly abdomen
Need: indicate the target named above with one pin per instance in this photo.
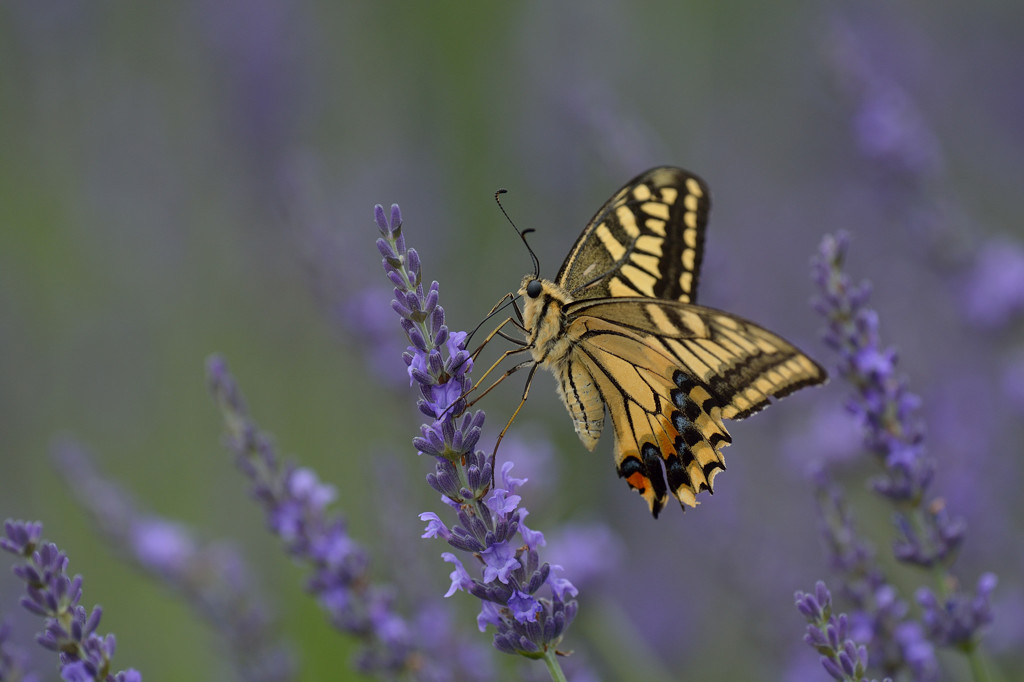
(582, 398)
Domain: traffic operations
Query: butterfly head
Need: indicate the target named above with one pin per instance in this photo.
(537, 290)
(543, 317)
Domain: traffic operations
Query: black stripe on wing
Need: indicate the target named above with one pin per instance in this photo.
(647, 240)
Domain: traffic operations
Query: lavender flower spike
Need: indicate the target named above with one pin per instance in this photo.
(928, 535)
(489, 530)
(295, 503)
(879, 617)
(828, 634)
(212, 577)
(70, 629)
(887, 411)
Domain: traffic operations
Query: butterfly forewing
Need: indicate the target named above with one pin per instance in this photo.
(647, 240)
(742, 364)
(619, 329)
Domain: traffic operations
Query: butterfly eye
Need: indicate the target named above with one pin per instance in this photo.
(534, 288)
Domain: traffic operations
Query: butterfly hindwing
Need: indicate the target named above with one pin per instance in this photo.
(669, 374)
(668, 428)
(647, 240)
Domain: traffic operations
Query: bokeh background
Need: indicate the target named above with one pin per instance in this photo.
(185, 178)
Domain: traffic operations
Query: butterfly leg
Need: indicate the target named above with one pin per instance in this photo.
(480, 381)
(498, 331)
(526, 394)
(502, 302)
(500, 379)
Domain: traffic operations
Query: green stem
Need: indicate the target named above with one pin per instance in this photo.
(978, 672)
(554, 667)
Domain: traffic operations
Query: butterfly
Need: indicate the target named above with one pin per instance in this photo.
(620, 329)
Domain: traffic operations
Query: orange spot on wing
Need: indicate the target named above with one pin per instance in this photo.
(638, 481)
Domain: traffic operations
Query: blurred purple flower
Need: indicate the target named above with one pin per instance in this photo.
(70, 629)
(212, 577)
(928, 536)
(13, 660)
(905, 159)
(487, 510)
(366, 310)
(589, 551)
(535, 460)
(624, 139)
(885, 408)
(887, 125)
(254, 50)
(994, 290)
(955, 620)
(879, 618)
(295, 503)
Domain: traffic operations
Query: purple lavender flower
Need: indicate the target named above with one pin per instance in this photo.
(954, 621)
(295, 503)
(886, 410)
(879, 617)
(928, 536)
(592, 551)
(70, 629)
(13, 660)
(893, 135)
(994, 292)
(828, 634)
(212, 577)
(489, 524)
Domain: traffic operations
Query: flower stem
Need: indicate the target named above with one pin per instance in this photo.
(554, 667)
(974, 659)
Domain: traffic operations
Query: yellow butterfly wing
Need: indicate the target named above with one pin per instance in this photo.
(669, 374)
(647, 240)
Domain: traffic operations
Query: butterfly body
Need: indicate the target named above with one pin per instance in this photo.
(554, 344)
(618, 327)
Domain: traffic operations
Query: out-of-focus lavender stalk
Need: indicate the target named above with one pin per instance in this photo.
(907, 160)
(70, 629)
(213, 578)
(880, 618)
(892, 133)
(488, 511)
(295, 503)
(928, 536)
(828, 634)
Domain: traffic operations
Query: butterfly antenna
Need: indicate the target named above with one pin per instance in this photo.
(522, 233)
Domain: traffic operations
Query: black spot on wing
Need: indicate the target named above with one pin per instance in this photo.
(691, 436)
(653, 462)
(675, 466)
(708, 469)
(629, 466)
(717, 439)
(691, 410)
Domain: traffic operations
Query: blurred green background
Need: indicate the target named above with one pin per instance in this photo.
(185, 178)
